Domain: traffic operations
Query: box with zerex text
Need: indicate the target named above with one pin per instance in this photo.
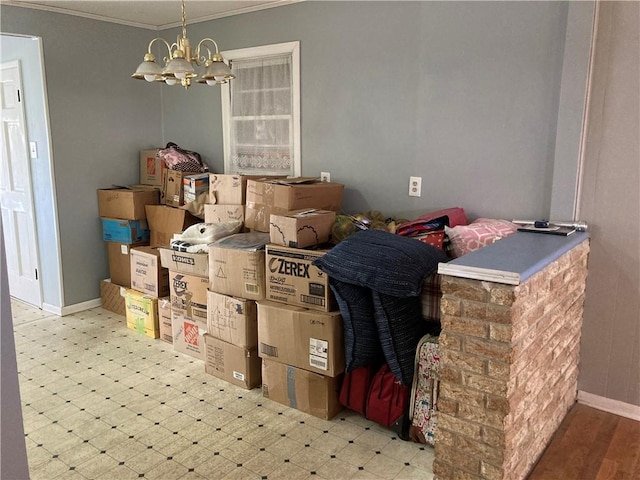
(292, 278)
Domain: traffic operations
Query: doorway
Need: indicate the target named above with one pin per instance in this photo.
(27, 52)
(16, 196)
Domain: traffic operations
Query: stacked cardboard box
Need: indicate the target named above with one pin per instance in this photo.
(300, 331)
(188, 282)
(265, 197)
(149, 285)
(236, 281)
(124, 226)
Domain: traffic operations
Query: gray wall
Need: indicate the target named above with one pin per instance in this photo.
(100, 119)
(610, 364)
(28, 51)
(463, 94)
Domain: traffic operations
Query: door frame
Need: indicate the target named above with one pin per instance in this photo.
(16, 65)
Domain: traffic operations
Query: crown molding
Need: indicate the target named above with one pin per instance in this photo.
(104, 18)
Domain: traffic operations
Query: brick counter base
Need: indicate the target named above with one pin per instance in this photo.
(509, 368)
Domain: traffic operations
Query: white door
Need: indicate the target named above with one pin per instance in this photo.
(16, 198)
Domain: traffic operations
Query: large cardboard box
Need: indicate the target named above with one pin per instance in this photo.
(223, 213)
(164, 222)
(147, 275)
(188, 334)
(164, 320)
(112, 296)
(266, 197)
(142, 313)
(184, 262)
(293, 279)
(300, 337)
(125, 231)
(126, 203)
(301, 228)
(306, 391)
(232, 319)
(120, 262)
(240, 366)
(236, 265)
(189, 295)
(151, 167)
(173, 187)
(227, 189)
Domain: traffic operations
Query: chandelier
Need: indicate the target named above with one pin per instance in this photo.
(180, 60)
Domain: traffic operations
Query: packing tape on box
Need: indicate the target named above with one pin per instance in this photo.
(291, 386)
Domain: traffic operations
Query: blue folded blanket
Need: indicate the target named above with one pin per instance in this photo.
(377, 278)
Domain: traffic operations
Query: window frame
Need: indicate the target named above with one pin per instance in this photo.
(257, 52)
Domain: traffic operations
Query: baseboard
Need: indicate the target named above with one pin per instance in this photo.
(609, 405)
(52, 309)
(79, 307)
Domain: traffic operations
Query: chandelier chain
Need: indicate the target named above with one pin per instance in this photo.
(184, 22)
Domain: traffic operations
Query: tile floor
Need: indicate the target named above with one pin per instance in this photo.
(101, 401)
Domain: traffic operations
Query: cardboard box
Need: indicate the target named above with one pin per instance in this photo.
(184, 262)
(236, 265)
(112, 296)
(306, 391)
(189, 295)
(164, 320)
(120, 262)
(126, 203)
(142, 313)
(266, 197)
(151, 167)
(188, 334)
(301, 228)
(165, 221)
(237, 365)
(232, 319)
(302, 338)
(173, 188)
(293, 279)
(227, 189)
(194, 185)
(147, 275)
(125, 231)
(223, 213)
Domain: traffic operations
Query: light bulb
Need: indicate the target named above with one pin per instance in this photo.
(219, 78)
(170, 81)
(149, 78)
(211, 82)
(180, 75)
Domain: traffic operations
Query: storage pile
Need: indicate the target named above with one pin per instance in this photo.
(252, 306)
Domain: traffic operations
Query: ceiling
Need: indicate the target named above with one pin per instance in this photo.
(151, 14)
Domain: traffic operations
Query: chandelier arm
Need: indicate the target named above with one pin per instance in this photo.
(204, 40)
(163, 41)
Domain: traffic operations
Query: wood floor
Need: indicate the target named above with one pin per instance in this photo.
(592, 445)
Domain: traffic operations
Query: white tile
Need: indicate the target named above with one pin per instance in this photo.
(88, 373)
(96, 465)
(165, 470)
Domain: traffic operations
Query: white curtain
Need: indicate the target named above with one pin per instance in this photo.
(261, 116)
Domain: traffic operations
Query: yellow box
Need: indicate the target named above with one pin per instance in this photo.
(142, 313)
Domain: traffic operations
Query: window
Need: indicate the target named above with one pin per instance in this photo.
(261, 111)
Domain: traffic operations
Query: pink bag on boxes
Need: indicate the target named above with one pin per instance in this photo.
(176, 158)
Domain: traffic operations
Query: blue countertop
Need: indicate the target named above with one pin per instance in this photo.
(513, 259)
